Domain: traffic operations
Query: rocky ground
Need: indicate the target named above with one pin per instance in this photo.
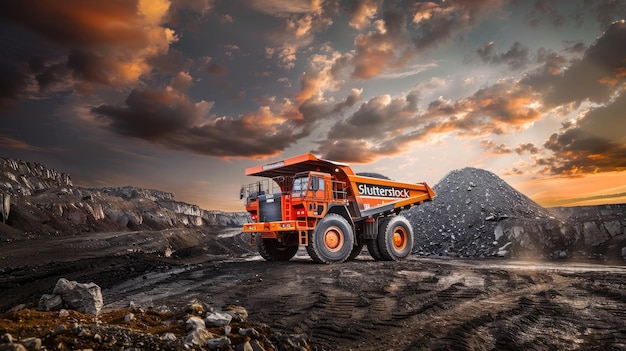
(419, 304)
(483, 275)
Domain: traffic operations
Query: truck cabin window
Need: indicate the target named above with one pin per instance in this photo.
(300, 186)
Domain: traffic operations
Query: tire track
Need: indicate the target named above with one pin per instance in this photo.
(415, 305)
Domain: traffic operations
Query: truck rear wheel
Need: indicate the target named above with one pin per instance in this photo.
(395, 238)
(273, 250)
(372, 244)
(332, 240)
(372, 248)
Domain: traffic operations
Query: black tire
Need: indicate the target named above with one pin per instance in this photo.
(372, 244)
(332, 240)
(395, 238)
(356, 250)
(273, 250)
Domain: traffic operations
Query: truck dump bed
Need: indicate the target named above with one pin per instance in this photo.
(369, 196)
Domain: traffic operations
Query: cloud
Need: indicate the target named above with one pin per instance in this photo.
(501, 108)
(362, 11)
(592, 144)
(384, 48)
(385, 126)
(198, 6)
(493, 148)
(527, 147)
(181, 82)
(279, 8)
(15, 81)
(606, 11)
(381, 126)
(389, 45)
(350, 101)
(296, 29)
(596, 77)
(326, 73)
(151, 114)
(380, 117)
(438, 22)
(543, 9)
(171, 62)
(216, 69)
(7, 142)
(348, 150)
(12, 143)
(408, 71)
(90, 42)
(582, 200)
(167, 117)
(515, 58)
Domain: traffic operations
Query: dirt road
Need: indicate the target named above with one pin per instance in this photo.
(419, 304)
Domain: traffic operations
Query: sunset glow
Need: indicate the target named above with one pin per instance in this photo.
(184, 95)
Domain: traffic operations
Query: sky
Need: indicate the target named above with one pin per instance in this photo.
(184, 95)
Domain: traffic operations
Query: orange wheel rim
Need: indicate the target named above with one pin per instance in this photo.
(333, 239)
(399, 238)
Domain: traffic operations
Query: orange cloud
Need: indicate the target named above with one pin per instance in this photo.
(362, 11)
(110, 42)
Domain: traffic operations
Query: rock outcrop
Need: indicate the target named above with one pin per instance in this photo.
(19, 177)
(45, 202)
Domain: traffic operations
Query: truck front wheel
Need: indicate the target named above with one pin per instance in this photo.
(395, 238)
(273, 250)
(332, 240)
(356, 250)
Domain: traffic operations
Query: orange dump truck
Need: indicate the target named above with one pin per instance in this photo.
(324, 206)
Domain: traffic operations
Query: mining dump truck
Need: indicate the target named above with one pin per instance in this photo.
(327, 208)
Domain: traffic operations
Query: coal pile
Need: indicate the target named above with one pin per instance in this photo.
(477, 214)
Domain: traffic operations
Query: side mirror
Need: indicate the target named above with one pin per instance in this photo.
(241, 192)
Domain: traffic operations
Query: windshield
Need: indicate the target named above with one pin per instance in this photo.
(300, 186)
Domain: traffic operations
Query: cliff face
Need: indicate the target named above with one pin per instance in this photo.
(19, 177)
(45, 202)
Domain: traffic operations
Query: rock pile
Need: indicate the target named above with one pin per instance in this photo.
(477, 214)
(199, 327)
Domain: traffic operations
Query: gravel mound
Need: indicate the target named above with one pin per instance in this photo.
(466, 218)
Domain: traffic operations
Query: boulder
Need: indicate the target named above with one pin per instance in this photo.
(593, 234)
(614, 228)
(217, 343)
(82, 297)
(195, 323)
(31, 343)
(217, 319)
(198, 334)
(238, 313)
(49, 302)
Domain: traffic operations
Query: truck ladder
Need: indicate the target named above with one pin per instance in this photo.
(287, 207)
